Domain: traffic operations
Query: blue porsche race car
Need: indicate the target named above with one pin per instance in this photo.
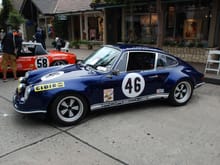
(113, 75)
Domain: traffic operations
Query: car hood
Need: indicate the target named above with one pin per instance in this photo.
(59, 73)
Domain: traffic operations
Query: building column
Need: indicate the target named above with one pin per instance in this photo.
(123, 25)
(104, 28)
(86, 26)
(72, 27)
(81, 26)
(212, 29)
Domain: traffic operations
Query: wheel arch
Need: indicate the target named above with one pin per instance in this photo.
(186, 79)
(52, 63)
(71, 93)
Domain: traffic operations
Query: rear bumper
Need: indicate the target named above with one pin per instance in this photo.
(199, 85)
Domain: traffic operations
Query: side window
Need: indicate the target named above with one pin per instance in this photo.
(140, 61)
(27, 50)
(164, 61)
(39, 50)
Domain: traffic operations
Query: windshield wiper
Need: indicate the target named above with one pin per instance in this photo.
(89, 67)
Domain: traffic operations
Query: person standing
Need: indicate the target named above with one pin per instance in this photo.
(43, 34)
(40, 37)
(58, 43)
(18, 43)
(2, 34)
(9, 55)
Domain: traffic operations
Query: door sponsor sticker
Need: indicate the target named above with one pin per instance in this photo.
(133, 85)
(108, 94)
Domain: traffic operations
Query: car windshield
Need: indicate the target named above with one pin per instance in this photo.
(102, 59)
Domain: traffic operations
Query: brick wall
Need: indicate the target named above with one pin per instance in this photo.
(188, 54)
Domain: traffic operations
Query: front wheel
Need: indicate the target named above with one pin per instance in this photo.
(181, 93)
(68, 109)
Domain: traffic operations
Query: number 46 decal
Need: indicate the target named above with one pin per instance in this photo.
(133, 85)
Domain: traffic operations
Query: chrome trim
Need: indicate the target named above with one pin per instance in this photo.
(24, 112)
(128, 101)
(198, 85)
(30, 112)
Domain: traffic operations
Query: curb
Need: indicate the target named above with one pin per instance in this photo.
(212, 80)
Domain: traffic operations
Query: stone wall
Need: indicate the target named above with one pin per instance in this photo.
(188, 54)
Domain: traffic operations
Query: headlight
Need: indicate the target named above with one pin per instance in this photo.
(26, 75)
(21, 79)
(27, 92)
(21, 87)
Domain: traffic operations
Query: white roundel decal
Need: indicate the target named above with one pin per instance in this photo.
(41, 62)
(52, 75)
(133, 85)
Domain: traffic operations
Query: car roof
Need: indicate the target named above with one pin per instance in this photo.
(135, 47)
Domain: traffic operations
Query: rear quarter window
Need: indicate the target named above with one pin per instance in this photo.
(165, 61)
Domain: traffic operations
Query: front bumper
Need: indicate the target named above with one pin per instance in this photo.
(20, 106)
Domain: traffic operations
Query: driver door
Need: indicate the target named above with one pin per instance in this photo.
(137, 78)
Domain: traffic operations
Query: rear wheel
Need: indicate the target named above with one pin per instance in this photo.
(181, 93)
(68, 109)
(59, 62)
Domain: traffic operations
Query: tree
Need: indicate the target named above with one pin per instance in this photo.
(4, 14)
(15, 19)
(9, 16)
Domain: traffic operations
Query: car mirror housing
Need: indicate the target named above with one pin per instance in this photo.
(115, 72)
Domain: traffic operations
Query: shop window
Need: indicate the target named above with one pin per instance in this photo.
(192, 28)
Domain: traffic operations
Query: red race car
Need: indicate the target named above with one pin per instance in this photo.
(34, 56)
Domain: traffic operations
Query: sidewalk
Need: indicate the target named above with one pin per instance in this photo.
(210, 77)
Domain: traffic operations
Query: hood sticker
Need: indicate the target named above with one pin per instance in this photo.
(52, 75)
(49, 86)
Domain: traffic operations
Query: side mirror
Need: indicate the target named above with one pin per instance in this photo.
(115, 72)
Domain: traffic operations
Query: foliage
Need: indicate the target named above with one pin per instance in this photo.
(75, 44)
(4, 14)
(15, 19)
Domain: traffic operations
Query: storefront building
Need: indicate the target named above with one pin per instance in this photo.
(185, 23)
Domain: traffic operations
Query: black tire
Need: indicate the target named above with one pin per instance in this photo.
(58, 62)
(68, 109)
(181, 93)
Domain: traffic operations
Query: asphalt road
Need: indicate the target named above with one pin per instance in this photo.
(151, 133)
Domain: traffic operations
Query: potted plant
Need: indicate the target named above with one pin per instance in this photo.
(75, 44)
(87, 43)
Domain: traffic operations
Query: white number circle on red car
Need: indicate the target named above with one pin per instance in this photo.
(42, 62)
(133, 85)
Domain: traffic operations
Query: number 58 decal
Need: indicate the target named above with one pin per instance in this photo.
(133, 85)
(41, 62)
